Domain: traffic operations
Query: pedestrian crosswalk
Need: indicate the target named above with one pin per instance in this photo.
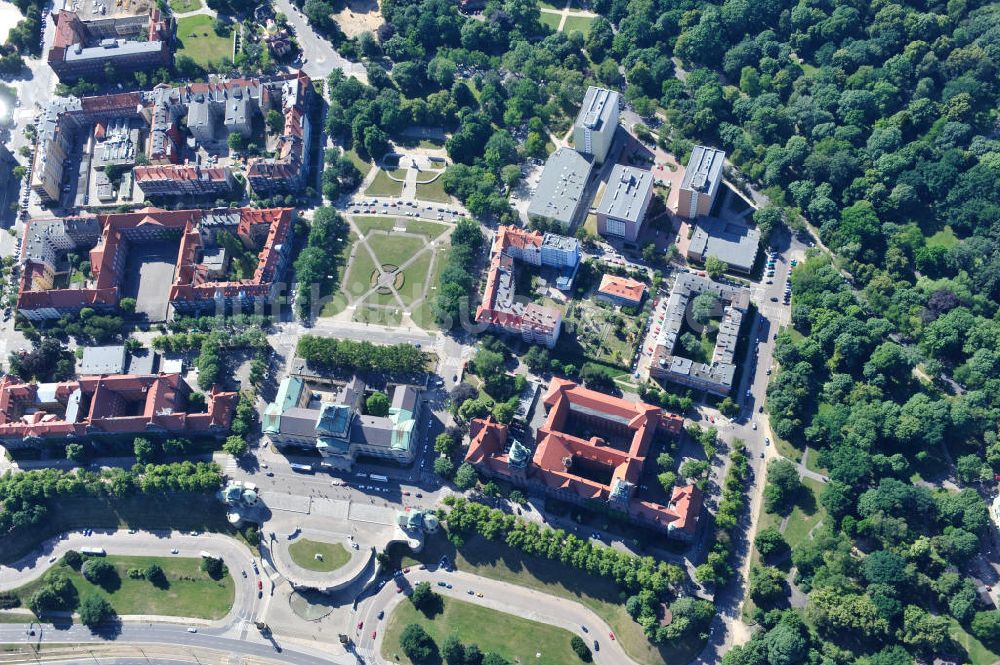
(367, 655)
(229, 467)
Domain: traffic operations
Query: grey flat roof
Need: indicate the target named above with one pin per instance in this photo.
(732, 242)
(561, 186)
(142, 362)
(704, 170)
(299, 421)
(598, 108)
(626, 192)
(111, 49)
(103, 360)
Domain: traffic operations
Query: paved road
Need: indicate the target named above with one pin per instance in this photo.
(320, 56)
(500, 596)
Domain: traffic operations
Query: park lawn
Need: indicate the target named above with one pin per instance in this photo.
(184, 6)
(978, 653)
(189, 591)
(430, 229)
(336, 300)
(786, 449)
(806, 514)
(590, 224)
(578, 23)
(945, 238)
(433, 191)
(358, 280)
(363, 164)
(551, 20)
(395, 249)
(199, 41)
(499, 562)
(377, 315)
(367, 224)
(414, 277)
(812, 462)
(423, 314)
(516, 639)
(381, 299)
(383, 185)
(184, 512)
(546, 4)
(303, 552)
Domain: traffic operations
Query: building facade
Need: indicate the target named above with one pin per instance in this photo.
(597, 122)
(603, 470)
(336, 426)
(624, 204)
(95, 407)
(701, 182)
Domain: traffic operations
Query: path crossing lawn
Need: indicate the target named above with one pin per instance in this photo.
(807, 513)
(414, 277)
(199, 41)
(303, 552)
(423, 314)
(184, 6)
(359, 275)
(516, 639)
(187, 592)
(551, 20)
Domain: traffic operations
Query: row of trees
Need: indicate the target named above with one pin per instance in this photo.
(650, 580)
(348, 355)
(184, 342)
(457, 281)
(25, 498)
(717, 568)
(320, 259)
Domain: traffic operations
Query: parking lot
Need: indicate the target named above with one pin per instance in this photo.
(149, 271)
(441, 213)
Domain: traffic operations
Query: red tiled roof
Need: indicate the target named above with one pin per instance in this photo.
(624, 288)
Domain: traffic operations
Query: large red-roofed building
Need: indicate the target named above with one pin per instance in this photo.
(104, 406)
(591, 448)
(46, 292)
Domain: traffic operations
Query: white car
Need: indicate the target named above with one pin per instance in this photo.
(755, 426)
(192, 629)
(173, 551)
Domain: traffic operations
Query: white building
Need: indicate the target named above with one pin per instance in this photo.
(595, 126)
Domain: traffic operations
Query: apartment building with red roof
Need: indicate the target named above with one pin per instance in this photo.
(500, 308)
(105, 406)
(47, 290)
(591, 448)
(621, 290)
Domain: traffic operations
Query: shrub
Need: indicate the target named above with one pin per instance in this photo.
(581, 649)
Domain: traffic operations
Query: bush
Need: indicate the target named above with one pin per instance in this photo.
(417, 644)
(214, 567)
(95, 610)
(154, 573)
(99, 572)
(73, 559)
(235, 446)
(581, 649)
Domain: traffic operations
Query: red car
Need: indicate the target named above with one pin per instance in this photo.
(399, 589)
(612, 636)
(373, 634)
(260, 585)
(360, 624)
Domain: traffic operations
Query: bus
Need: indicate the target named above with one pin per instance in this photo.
(301, 468)
(93, 551)
(381, 479)
(209, 555)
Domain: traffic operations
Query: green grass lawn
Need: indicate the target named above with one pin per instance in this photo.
(184, 6)
(979, 653)
(337, 301)
(786, 449)
(578, 23)
(430, 229)
(423, 314)
(395, 249)
(807, 513)
(433, 191)
(499, 562)
(199, 41)
(414, 277)
(368, 224)
(812, 462)
(516, 639)
(359, 274)
(550, 19)
(382, 185)
(363, 165)
(188, 592)
(944, 238)
(304, 551)
(377, 315)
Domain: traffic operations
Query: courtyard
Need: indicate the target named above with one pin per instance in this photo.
(149, 270)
